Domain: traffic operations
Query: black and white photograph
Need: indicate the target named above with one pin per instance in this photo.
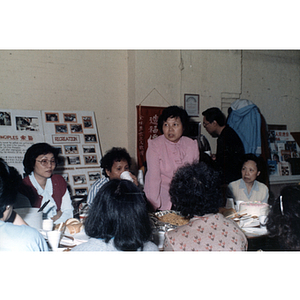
(90, 159)
(5, 118)
(61, 128)
(70, 117)
(81, 191)
(90, 138)
(71, 149)
(89, 149)
(73, 160)
(75, 128)
(79, 179)
(52, 117)
(27, 123)
(87, 122)
(93, 176)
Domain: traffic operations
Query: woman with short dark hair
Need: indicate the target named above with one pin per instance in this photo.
(115, 161)
(249, 188)
(41, 185)
(166, 153)
(195, 193)
(118, 220)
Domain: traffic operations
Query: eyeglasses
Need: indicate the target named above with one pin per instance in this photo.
(206, 124)
(45, 162)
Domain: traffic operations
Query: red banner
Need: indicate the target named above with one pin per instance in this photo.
(147, 119)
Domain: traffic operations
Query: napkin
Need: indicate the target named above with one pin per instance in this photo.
(250, 222)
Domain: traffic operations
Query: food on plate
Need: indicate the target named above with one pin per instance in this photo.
(71, 226)
(227, 211)
(254, 208)
(174, 219)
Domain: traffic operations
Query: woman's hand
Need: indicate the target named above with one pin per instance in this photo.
(135, 181)
(57, 216)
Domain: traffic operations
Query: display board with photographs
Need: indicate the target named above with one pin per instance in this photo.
(74, 133)
(285, 153)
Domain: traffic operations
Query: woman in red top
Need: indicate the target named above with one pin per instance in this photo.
(41, 185)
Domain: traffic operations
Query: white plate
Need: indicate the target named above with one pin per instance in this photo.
(255, 231)
(249, 223)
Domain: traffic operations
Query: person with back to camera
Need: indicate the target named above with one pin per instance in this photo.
(41, 185)
(14, 234)
(118, 220)
(229, 146)
(113, 164)
(248, 188)
(283, 221)
(195, 192)
(166, 153)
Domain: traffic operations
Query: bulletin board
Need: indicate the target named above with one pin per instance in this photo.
(285, 153)
(74, 133)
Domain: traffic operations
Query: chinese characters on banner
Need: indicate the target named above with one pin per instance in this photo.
(147, 119)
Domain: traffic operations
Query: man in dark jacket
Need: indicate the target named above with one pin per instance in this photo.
(230, 148)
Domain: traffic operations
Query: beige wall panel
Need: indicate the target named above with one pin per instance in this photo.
(69, 79)
(271, 80)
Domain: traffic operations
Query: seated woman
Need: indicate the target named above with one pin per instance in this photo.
(195, 192)
(41, 185)
(283, 222)
(118, 220)
(113, 164)
(166, 153)
(248, 188)
(14, 235)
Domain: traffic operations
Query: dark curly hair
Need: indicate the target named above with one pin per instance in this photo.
(284, 220)
(36, 150)
(119, 211)
(173, 112)
(10, 180)
(113, 155)
(195, 190)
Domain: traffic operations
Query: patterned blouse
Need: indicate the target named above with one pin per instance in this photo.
(211, 232)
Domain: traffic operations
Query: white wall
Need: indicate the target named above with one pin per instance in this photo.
(74, 80)
(271, 79)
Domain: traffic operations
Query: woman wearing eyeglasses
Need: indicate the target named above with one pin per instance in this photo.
(41, 185)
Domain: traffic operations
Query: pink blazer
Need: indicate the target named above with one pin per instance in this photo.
(163, 159)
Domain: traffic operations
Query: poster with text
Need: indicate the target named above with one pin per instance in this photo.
(74, 133)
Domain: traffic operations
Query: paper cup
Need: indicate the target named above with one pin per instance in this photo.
(53, 239)
(237, 205)
(229, 203)
(159, 238)
(48, 225)
(126, 175)
(262, 221)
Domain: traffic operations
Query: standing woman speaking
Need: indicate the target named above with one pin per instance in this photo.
(41, 185)
(166, 153)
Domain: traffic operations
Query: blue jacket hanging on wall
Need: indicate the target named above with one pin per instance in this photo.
(245, 119)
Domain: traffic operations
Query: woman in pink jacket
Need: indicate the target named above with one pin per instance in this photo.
(165, 154)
